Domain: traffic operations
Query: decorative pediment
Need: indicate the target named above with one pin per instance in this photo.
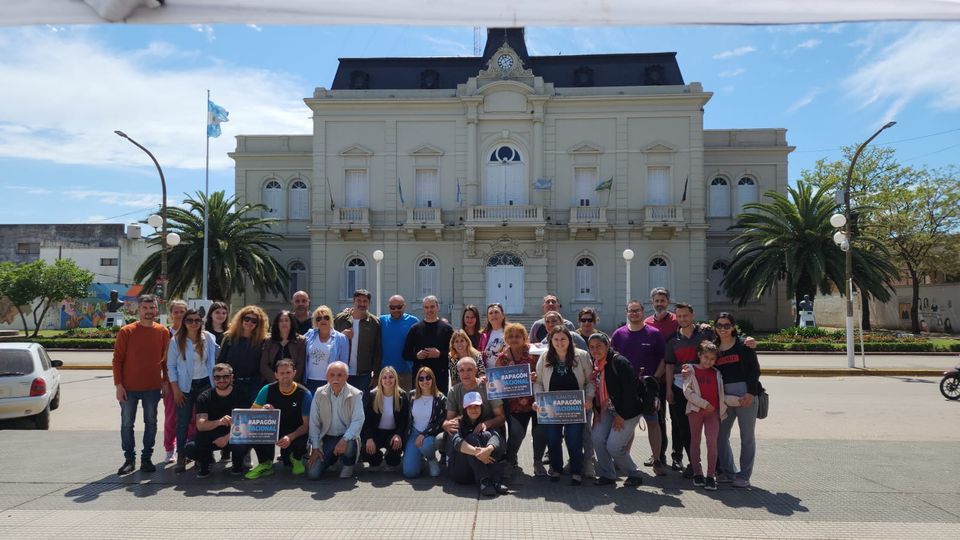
(426, 150)
(659, 147)
(505, 64)
(585, 148)
(356, 150)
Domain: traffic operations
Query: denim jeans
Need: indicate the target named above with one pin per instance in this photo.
(328, 443)
(381, 439)
(746, 419)
(413, 457)
(128, 416)
(185, 411)
(613, 447)
(572, 434)
(313, 384)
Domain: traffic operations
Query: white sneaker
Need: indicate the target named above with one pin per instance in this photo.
(346, 471)
(434, 467)
(171, 456)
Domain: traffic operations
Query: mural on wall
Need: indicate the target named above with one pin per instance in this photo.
(91, 312)
(935, 317)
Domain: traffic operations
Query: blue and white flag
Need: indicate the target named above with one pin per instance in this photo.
(459, 195)
(400, 192)
(543, 183)
(215, 115)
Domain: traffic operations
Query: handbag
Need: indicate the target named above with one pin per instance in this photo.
(763, 404)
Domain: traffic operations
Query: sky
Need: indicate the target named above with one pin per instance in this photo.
(66, 89)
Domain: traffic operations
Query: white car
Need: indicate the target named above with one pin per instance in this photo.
(29, 383)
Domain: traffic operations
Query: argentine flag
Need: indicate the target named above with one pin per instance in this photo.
(215, 115)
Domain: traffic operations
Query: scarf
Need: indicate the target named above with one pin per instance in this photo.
(600, 377)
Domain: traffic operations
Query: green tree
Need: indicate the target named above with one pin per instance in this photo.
(239, 247)
(790, 239)
(37, 286)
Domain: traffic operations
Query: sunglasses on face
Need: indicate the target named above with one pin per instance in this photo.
(395, 308)
(320, 318)
(634, 311)
(193, 321)
(424, 378)
(222, 377)
(252, 320)
(586, 320)
(723, 326)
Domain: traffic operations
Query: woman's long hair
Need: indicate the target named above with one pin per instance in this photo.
(552, 357)
(470, 348)
(236, 325)
(434, 391)
(275, 327)
(733, 331)
(182, 336)
(476, 313)
(217, 304)
(378, 396)
(499, 306)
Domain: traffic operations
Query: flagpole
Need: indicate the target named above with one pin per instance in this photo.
(206, 213)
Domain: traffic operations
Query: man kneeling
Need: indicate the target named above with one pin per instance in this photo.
(293, 402)
(336, 418)
(214, 407)
(474, 450)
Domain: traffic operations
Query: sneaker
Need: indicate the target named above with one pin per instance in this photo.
(147, 466)
(181, 465)
(554, 475)
(127, 467)
(434, 467)
(576, 480)
(633, 481)
(346, 471)
(741, 482)
(698, 480)
(171, 456)
(604, 481)
(203, 470)
(224, 455)
(487, 489)
(539, 470)
(710, 484)
(263, 469)
(724, 478)
(659, 469)
(236, 471)
(688, 471)
(677, 465)
(501, 489)
(298, 467)
(650, 461)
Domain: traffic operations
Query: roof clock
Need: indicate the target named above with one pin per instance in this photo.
(505, 62)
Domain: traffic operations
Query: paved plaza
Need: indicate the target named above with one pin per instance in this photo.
(860, 457)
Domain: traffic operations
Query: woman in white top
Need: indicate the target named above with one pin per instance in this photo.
(324, 346)
(428, 410)
(386, 409)
(190, 360)
(491, 341)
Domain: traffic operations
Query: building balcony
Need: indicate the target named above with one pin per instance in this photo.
(587, 217)
(663, 217)
(424, 219)
(350, 220)
(493, 216)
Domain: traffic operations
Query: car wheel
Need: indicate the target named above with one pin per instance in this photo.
(43, 419)
(55, 402)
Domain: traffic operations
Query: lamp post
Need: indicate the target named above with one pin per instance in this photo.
(166, 240)
(845, 239)
(627, 257)
(378, 258)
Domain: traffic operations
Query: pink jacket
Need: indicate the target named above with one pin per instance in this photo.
(691, 390)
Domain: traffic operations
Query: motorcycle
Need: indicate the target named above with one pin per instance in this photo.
(950, 384)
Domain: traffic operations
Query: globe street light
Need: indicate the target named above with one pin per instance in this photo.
(378, 258)
(165, 240)
(627, 257)
(847, 240)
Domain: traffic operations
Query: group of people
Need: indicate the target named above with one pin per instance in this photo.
(401, 393)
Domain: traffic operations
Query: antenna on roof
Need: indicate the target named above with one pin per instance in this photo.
(476, 41)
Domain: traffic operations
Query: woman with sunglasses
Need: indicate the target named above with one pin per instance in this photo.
(190, 361)
(386, 415)
(285, 342)
(217, 317)
(492, 343)
(740, 370)
(242, 348)
(428, 410)
(588, 322)
(470, 323)
(461, 346)
(324, 345)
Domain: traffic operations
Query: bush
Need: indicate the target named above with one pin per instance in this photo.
(91, 333)
(68, 343)
(955, 347)
(813, 346)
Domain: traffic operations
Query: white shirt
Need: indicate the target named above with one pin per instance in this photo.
(387, 421)
(421, 410)
(337, 427)
(354, 344)
(494, 344)
(319, 358)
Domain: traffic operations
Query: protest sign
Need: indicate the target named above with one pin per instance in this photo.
(509, 382)
(565, 407)
(255, 426)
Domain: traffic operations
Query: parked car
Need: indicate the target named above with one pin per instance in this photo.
(29, 383)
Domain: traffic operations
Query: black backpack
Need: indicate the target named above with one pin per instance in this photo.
(648, 395)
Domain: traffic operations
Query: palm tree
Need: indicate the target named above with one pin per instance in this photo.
(790, 239)
(239, 250)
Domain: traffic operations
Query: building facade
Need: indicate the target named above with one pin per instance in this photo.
(504, 177)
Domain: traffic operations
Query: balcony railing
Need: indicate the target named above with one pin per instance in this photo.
(423, 216)
(502, 214)
(670, 214)
(588, 214)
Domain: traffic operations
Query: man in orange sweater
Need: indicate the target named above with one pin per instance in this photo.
(139, 373)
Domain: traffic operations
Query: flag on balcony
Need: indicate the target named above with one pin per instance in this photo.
(685, 182)
(215, 115)
(543, 183)
(605, 185)
(400, 192)
(459, 194)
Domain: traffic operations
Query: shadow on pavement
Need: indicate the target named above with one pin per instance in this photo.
(780, 504)
(624, 500)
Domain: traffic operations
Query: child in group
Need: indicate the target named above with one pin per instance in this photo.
(703, 388)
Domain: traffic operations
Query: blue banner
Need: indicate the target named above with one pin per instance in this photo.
(255, 426)
(509, 382)
(565, 407)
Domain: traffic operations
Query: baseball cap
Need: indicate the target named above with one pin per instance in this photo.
(472, 398)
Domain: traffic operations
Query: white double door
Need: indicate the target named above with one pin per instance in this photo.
(506, 184)
(505, 286)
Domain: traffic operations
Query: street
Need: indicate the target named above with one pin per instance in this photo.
(837, 457)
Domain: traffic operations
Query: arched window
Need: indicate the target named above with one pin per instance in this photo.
(585, 279)
(505, 154)
(658, 273)
(428, 277)
(746, 192)
(299, 200)
(719, 197)
(717, 273)
(504, 259)
(298, 277)
(273, 199)
(354, 277)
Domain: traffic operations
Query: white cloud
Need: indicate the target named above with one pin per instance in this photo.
(206, 30)
(65, 94)
(804, 101)
(255, 27)
(732, 73)
(809, 44)
(739, 51)
(917, 65)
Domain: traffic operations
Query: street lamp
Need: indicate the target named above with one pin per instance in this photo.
(844, 239)
(627, 257)
(166, 240)
(378, 258)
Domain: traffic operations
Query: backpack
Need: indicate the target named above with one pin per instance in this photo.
(648, 395)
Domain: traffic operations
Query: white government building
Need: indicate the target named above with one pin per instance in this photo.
(477, 177)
